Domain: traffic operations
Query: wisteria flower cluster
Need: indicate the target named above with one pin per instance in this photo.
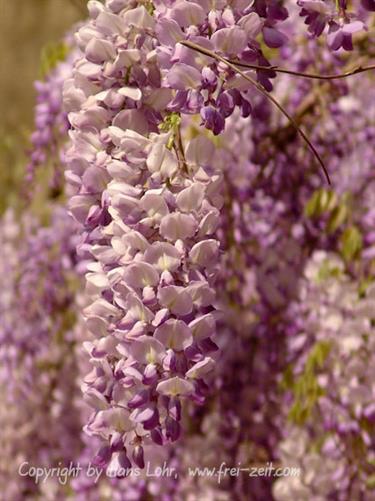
(150, 208)
(51, 124)
(334, 358)
(342, 23)
(38, 363)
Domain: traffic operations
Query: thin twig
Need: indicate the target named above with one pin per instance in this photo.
(178, 148)
(258, 86)
(316, 76)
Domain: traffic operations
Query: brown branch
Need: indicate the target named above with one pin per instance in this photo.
(315, 76)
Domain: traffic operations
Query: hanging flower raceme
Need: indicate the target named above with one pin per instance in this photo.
(149, 205)
(330, 388)
(39, 417)
(51, 124)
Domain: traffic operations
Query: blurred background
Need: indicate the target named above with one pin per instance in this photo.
(27, 29)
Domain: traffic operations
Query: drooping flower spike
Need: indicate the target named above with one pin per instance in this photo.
(149, 203)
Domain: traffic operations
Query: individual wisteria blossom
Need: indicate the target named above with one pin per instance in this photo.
(342, 23)
(149, 205)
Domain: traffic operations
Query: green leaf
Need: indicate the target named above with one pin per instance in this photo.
(305, 388)
(298, 413)
(320, 202)
(330, 202)
(370, 482)
(363, 286)
(149, 6)
(52, 54)
(351, 243)
(288, 379)
(311, 208)
(319, 354)
(328, 270)
(338, 218)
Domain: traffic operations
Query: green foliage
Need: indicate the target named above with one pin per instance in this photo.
(12, 160)
(321, 201)
(51, 55)
(363, 286)
(337, 214)
(149, 6)
(351, 243)
(305, 387)
(338, 217)
(318, 355)
(370, 482)
(328, 270)
(171, 123)
(324, 202)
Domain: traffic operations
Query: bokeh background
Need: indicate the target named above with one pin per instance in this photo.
(27, 29)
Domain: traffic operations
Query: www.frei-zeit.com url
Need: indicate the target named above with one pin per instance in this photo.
(269, 470)
(62, 473)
